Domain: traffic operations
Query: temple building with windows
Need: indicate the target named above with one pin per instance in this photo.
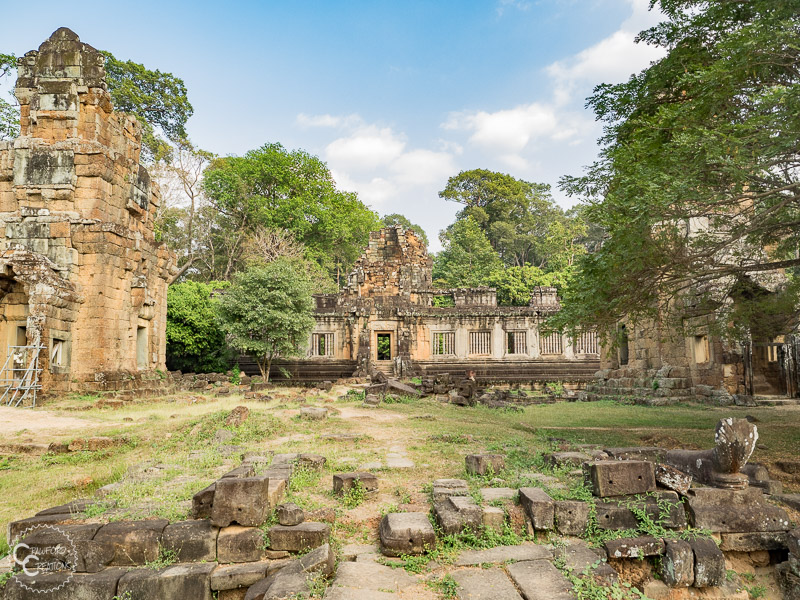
(390, 318)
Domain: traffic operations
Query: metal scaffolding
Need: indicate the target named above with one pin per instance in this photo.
(19, 379)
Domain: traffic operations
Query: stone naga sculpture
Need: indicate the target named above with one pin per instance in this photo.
(735, 441)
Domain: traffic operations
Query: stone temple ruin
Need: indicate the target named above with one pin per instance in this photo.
(390, 318)
(83, 277)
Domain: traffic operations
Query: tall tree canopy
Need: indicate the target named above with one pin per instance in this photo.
(278, 188)
(514, 214)
(697, 184)
(158, 100)
(397, 219)
(467, 257)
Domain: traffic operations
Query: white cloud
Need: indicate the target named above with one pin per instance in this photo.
(512, 134)
(331, 121)
(366, 148)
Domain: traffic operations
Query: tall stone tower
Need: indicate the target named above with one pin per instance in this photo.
(81, 273)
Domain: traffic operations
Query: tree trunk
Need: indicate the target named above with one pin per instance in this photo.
(269, 366)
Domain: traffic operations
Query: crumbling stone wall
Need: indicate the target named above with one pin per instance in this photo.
(394, 264)
(77, 214)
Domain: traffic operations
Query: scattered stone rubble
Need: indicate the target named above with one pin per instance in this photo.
(227, 548)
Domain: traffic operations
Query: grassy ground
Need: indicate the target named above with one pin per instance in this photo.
(165, 449)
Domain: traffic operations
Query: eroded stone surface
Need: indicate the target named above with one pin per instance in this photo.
(406, 533)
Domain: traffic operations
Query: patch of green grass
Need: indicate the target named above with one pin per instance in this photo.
(165, 559)
(355, 496)
(446, 586)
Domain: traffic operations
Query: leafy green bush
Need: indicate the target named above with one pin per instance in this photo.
(195, 342)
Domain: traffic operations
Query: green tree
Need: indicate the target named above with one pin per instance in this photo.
(405, 223)
(697, 183)
(195, 342)
(158, 100)
(467, 257)
(9, 113)
(515, 284)
(266, 312)
(277, 188)
(514, 214)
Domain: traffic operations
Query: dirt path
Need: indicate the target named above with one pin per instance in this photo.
(39, 425)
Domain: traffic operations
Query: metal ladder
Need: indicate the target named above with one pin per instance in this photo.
(18, 382)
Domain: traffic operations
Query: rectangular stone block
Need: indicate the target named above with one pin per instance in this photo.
(539, 507)
(342, 482)
(135, 542)
(571, 517)
(484, 464)
(637, 547)
(677, 564)
(192, 541)
(443, 488)
(709, 563)
(241, 500)
(621, 477)
(729, 511)
(176, 581)
(754, 541)
(240, 544)
(406, 533)
(298, 537)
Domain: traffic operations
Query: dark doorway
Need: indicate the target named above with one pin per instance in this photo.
(384, 346)
(623, 345)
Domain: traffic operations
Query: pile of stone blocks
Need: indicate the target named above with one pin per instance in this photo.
(789, 571)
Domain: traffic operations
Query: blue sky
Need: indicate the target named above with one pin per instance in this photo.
(395, 96)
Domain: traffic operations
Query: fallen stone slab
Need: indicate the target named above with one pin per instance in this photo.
(401, 387)
(299, 537)
(571, 517)
(134, 542)
(502, 554)
(677, 564)
(540, 580)
(371, 577)
(243, 470)
(289, 514)
(574, 459)
(406, 533)
(342, 482)
(76, 507)
(444, 488)
(484, 584)
(176, 581)
(621, 477)
(582, 559)
(637, 547)
(351, 552)
(495, 494)
(191, 541)
(539, 507)
(348, 593)
(754, 541)
(615, 514)
(673, 479)
(231, 577)
(16, 528)
(313, 413)
(790, 500)
(484, 464)
(399, 462)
